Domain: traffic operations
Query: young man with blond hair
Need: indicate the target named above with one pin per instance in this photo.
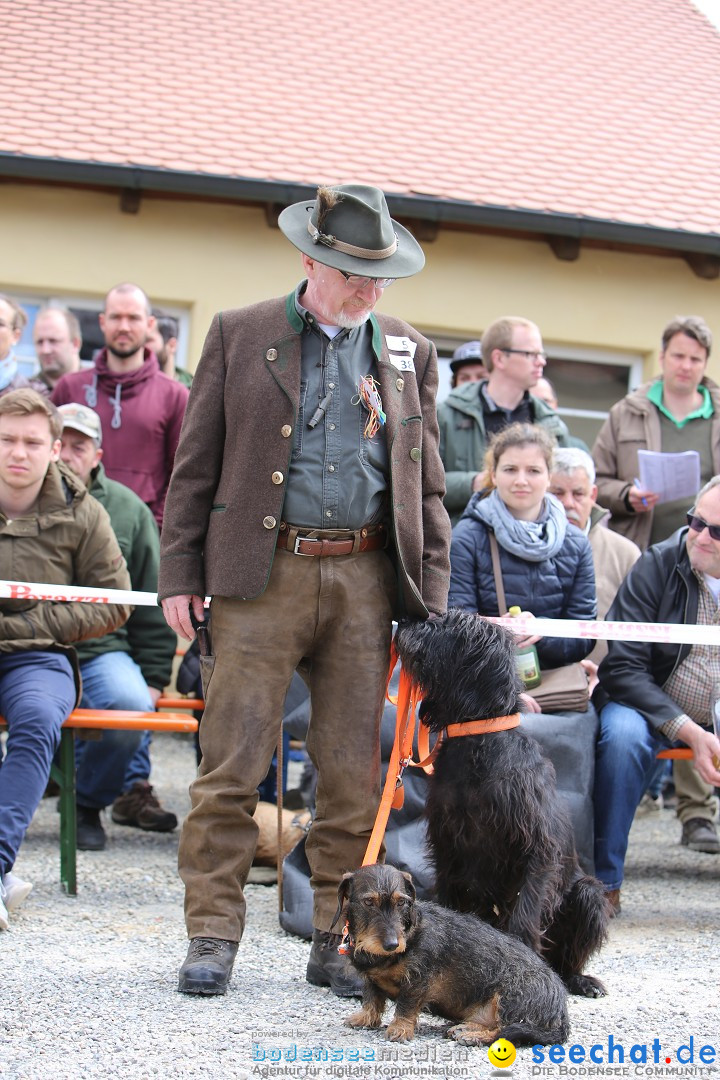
(51, 530)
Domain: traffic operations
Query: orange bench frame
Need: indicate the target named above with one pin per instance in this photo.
(90, 723)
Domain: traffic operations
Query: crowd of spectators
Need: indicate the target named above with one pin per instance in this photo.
(86, 454)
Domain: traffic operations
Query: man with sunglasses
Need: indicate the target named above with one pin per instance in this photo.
(306, 499)
(472, 413)
(652, 695)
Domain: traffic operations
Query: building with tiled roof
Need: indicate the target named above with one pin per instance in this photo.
(556, 160)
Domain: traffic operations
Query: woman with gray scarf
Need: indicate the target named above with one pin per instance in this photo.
(547, 569)
(546, 562)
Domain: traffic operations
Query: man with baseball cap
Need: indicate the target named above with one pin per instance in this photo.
(306, 500)
(126, 669)
(466, 364)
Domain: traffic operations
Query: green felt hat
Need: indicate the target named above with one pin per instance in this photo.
(349, 228)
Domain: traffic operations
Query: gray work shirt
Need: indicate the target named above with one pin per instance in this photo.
(338, 479)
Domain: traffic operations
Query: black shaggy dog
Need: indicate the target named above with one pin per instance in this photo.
(500, 837)
(424, 956)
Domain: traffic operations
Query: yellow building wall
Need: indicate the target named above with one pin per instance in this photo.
(207, 256)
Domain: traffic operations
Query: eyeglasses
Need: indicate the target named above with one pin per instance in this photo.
(529, 353)
(358, 282)
(697, 525)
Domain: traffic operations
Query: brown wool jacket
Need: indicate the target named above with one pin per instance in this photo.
(225, 500)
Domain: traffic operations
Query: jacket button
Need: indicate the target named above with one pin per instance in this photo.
(271, 354)
(399, 383)
(416, 453)
(286, 431)
(277, 478)
(269, 522)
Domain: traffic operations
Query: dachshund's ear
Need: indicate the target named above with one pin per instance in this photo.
(409, 887)
(343, 893)
(413, 912)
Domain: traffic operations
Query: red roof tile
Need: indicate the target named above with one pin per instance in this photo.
(599, 110)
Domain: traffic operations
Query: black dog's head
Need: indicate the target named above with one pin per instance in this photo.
(465, 665)
(379, 904)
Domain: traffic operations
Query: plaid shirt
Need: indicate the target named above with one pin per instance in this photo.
(695, 683)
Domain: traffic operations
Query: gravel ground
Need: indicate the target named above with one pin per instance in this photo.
(89, 983)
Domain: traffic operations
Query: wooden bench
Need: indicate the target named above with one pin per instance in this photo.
(90, 723)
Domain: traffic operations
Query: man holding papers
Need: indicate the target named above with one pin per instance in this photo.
(678, 412)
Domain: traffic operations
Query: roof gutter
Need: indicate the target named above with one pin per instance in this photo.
(423, 207)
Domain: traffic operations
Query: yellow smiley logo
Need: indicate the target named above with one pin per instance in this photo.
(501, 1054)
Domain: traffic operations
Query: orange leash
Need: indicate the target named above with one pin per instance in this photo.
(393, 794)
(408, 698)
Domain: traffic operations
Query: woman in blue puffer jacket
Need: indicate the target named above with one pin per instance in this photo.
(547, 565)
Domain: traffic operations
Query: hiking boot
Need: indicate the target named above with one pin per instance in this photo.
(90, 833)
(699, 834)
(16, 890)
(613, 898)
(328, 967)
(208, 966)
(140, 807)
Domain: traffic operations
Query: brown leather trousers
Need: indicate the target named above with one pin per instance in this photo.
(333, 616)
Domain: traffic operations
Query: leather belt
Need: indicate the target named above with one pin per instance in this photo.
(290, 539)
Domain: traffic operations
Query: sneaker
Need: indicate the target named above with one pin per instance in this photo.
(328, 967)
(90, 833)
(699, 834)
(649, 804)
(141, 808)
(4, 921)
(16, 890)
(208, 966)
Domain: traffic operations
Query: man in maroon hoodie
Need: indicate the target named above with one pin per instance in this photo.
(140, 408)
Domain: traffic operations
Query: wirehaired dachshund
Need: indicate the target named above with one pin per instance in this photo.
(421, 956)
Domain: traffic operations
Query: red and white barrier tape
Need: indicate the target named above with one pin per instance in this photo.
(676, 633)
(525, 626)
(32, 590)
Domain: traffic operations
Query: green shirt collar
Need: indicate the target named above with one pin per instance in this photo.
(655, 394)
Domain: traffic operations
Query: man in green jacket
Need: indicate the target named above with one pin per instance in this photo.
(512, 351)
(127, 669)
(53, 533)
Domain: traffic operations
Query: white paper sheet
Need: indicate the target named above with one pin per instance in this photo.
(671, 476)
